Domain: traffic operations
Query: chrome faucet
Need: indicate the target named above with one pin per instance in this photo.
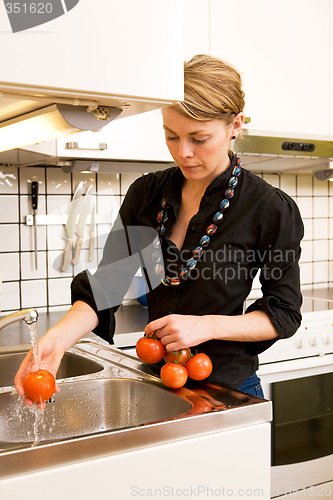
(28, 315)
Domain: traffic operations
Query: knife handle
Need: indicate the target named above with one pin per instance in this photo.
(91, 247)
(67, 257)
(34, 195)
(77, 250)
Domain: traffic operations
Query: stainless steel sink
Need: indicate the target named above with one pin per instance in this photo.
(113, 404)
(88, 407)
(72, 365)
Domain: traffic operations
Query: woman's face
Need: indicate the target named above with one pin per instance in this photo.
(200, 149)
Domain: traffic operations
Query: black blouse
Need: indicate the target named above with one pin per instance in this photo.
(260, 232)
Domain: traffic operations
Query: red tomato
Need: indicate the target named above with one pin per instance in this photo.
(150, 350)
(180, 356)
(199, 366)
(39, 386)
(173, 375)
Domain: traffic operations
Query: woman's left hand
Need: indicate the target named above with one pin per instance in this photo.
(177, 331)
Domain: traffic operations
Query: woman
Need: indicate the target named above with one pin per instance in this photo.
(218, 225)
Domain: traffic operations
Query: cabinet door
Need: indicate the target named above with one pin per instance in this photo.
(281, 49)
(139, 137)
(195, 28)
(331, 71)
(104, 47)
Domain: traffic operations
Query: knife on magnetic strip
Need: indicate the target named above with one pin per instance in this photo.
(70, 226)
(81, 223)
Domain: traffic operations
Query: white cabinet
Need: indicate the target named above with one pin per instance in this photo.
(195, 28)
(331, 69)
(139, 137)
(281, 49)
(134, 138)
(102, 48)
(234, 463)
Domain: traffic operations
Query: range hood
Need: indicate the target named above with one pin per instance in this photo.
(277, 152)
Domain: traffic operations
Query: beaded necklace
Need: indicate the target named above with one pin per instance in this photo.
(191, 263)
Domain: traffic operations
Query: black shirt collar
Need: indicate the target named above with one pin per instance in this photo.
(172, 189)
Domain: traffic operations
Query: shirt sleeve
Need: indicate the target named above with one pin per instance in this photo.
(104, 290)
(278, 253)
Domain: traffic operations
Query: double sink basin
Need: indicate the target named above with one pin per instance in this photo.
(109, 403)
(90, 401)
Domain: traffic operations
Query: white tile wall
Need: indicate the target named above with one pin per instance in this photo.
(9, 241)
(33, 293)
(59, 291)
(10, 266)
(8, 180)
(48, 288)
(315, 201)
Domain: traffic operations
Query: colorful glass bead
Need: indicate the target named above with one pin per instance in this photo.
(211, 229)
(197, 252)
(159, 269)
(236, 171)
(184, 274)
(156, 242)
(218, 217)
(165, 281)
(162, 216)
(156, 256)
(229, 193)
(174, 281)
(205, 240)
(224, 204)
(191, 263)
(233, 181)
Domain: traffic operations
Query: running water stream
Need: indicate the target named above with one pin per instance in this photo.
(38, 413)
(34, 342)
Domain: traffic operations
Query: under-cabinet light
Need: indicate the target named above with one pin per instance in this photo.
(52, 121)
(324, 175)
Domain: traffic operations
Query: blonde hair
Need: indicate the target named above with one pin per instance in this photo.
(212, 90)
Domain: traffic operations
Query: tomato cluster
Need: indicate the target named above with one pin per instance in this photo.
(179, 365)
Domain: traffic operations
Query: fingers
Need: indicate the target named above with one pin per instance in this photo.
(170, 332)
(22, 372)
(28, 402)
(156, 324)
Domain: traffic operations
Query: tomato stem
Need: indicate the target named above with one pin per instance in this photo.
(152, 335)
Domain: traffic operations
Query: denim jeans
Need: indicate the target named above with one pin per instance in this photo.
(252, 386)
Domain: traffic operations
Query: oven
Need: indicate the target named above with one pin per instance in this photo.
(297, 376)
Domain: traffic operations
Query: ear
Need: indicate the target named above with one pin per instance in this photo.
(237, 124)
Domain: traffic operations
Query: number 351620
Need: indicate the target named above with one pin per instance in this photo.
(28, 8)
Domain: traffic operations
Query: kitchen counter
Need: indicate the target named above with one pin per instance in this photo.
(201, 452)
(220, 443)
(130, 318)
(317, 299)
(319, 293)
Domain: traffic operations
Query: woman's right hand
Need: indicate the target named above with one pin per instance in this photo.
(50, 354)
(79, 320)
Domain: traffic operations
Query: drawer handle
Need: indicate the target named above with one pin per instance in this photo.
(75, 145)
